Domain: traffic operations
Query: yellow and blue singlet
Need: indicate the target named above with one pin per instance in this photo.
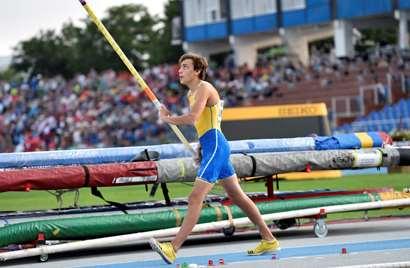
(215, 163)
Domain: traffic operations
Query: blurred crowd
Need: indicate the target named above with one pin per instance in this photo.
(97, 110)
(88, 111)
(273, 77)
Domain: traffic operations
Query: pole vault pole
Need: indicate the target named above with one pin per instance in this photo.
(143, 86)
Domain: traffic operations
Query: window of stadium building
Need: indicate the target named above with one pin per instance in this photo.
(293, 4)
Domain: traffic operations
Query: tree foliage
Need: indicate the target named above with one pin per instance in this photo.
(40, 54)
(163, 51)
(145, 39)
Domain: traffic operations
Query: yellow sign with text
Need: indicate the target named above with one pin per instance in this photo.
(274, 111)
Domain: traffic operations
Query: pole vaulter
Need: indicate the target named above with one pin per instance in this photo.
(142, 85)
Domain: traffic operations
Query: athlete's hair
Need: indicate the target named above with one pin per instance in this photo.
(200, 63)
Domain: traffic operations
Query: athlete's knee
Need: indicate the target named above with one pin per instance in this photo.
(238, 196)
(195, 197)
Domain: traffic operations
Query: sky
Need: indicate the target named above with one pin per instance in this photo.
(23, 19)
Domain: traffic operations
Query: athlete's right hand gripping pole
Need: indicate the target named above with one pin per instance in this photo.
(131, 68)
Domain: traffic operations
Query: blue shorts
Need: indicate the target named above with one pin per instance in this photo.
(215, 162)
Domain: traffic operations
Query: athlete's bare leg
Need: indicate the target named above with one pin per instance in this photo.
(195, 200)
(239, 198)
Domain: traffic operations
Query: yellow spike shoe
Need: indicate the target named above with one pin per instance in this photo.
(165, 250)
(264, 246)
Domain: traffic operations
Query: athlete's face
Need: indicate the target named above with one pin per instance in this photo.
(186, 72)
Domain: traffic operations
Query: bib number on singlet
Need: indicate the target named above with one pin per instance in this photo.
(221, 108)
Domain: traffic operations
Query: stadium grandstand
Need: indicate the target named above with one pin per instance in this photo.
(351, 85)
(96, 110)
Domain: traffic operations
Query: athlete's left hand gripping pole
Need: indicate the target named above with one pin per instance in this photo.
(143, 86)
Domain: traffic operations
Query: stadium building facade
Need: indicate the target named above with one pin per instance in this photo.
(244, 26)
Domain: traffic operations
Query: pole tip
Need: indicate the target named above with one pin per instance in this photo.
(83, 2)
